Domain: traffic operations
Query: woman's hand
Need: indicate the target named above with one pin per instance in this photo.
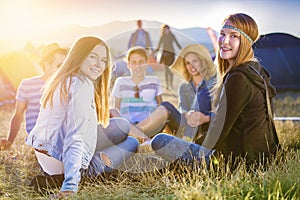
(195, 118)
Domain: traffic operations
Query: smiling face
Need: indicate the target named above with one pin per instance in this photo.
(192, 64)
(137, 64)
(229, 43)
(94, 64)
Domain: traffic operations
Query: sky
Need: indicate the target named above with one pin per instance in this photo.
(20, 18)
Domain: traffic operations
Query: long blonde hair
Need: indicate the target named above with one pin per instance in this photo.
(247, 24)
(208, 69)
(70, 68)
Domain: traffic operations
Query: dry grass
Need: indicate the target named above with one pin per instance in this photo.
(279, 180)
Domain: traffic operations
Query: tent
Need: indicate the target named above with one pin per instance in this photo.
(13, 68)
(279, 53)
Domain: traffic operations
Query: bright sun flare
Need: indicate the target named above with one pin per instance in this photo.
(16, 18)
(21, 20)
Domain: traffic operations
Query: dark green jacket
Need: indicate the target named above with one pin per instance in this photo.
(241, 126)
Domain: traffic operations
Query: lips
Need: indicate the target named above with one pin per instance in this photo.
(96, 71)
(225, 49)
(193, 70)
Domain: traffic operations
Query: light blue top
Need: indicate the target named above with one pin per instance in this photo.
(140, 38)
(141, 41)
(68, 130)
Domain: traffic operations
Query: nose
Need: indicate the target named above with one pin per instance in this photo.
(225, 39)
(98, 63)
(191, 65)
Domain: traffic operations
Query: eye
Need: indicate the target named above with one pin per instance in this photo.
(235, 36)
(195, 62)
(141, 62)
(93, 56)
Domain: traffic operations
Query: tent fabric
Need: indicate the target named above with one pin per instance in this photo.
(279, 53)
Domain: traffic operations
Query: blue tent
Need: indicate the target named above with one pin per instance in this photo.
(279, 53)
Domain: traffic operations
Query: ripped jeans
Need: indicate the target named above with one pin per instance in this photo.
(112, 140)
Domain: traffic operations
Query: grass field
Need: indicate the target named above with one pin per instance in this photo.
(279, 180)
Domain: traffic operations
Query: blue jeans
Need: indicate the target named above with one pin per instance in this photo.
(115, 143)
(112, 140)
(172, 149)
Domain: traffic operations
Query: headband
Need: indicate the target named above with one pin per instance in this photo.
(240, 31)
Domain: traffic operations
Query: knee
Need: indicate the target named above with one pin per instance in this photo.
(119, 125)
(165, 104)
(160, 140)
(166, 107)
(134, 143)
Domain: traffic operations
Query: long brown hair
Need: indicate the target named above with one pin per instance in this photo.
(247, 24)
(70, 68)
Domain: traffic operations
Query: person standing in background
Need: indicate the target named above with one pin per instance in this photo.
(140, 38)
(166, 41)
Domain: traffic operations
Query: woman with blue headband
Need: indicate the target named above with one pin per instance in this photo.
(242, 126)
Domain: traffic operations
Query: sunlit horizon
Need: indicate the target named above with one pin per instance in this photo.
(26, 20)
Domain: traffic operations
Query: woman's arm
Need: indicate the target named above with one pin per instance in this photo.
(80, 129)
(233, 99)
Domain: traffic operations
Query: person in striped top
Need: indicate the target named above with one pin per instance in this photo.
(30, 91)
(136, 96)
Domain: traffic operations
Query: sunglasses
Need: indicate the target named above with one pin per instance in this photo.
(136, 94)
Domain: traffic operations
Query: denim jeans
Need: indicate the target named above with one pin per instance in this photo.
(172, 148)
(113, 140)
(115, 143)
